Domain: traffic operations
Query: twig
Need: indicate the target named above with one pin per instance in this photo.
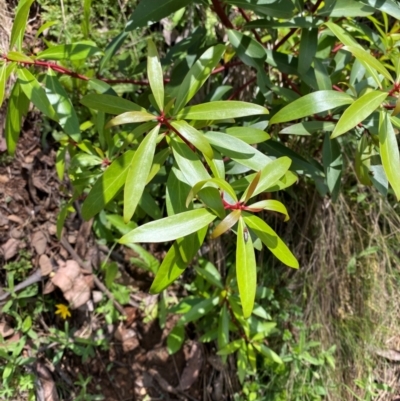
(246, 17)
(32, 279)
(96, 280)
(284, 39)
(221, 14)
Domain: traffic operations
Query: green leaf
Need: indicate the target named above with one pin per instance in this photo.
(358, 111)
(173, 265)
(131, 117)
(271, 240)
(189, 163)
(199, 310)
(272, 173)
(342, 35)
(313, 103)
(248, 50)
(3, 78)
(386, 6)
(278, 9)
(155, 74)
(371, 61)
(221, 110)
(223, 327)
(74, 51)
(308, 128)
(231, 347)
(362, 161)
(389, 151)
(246, 272)
(229, 221)
(170, 228)
(270, 204)
(210, 273)
(62, 105)
(333, 165)
(194, 137)
(238, 150)
(138, 172)
(268, 353)
(197, 75)
(107, 186)
(308, 48)
(109, 104)
(153, 10)
(345, 8)
(18, 105)
(175, 339)
(248, 134)
(34, 92)
(249, 192)
(20, 22)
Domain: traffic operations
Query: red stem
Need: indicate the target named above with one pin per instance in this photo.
(246, 17)
(316, 6)
(284, 39)
(221, 14)
(244, 86)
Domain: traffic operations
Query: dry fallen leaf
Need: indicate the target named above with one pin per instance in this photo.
(72, 283)
(39, 242)
(6, 330)
(45, 265)
(10, 248)
(192, 369)
(47, 390)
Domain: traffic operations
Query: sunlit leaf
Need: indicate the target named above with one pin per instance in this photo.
(358, 111)
(229, 221)
(170, 228)
(155, 74)
(131, 117)
(109, 104)
(246, 273)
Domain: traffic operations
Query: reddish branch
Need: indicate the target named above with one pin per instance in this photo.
(244, 86)
(246, 17)
(219, 10)
(284, 39)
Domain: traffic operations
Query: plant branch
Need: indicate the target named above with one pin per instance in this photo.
(221, 14)
(247, 18)
(244, 86)
(284, 39)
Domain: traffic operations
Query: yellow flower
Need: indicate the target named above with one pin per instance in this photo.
(63, 311)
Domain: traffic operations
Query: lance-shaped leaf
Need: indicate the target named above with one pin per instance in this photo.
(248, 134)
(62, 105)
(251, 188)
(138, 172)
(365, 57)
(228, 222)
(74, 51)
(271, 240)
(358, 111)
(3, 78)
(196, 138)
(246, 272)
(131, 117)
(271, 174)
(189, 163)
(268, 353)
(231, 347)
(199, 310)
(216, 182)
(308, 48)
(173, 265)
(223, 327)
(19, 57)
(155, 74)
(170, 228)
(20, 22)
(249, 51)
(389, 151)
(18, 105)
(238, 150)
(333, 165)
(109, 104)
(342, 35)
(221, 110)
(34, 92)
(175, 339)
(269, 204)
(313, 103)
(197, 75)
(107, 186)
(210, 273)
(362, 163)
(153, 10)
